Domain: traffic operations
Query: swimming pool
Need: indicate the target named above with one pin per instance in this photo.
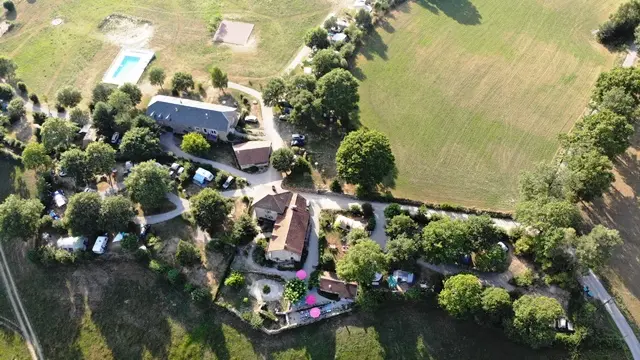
(128, 66)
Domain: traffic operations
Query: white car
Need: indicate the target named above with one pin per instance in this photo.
(228, 182)
(115, 137)
(101, 245)
(503, 246)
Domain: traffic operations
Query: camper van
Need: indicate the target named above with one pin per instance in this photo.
(101, 245)
(72, 244)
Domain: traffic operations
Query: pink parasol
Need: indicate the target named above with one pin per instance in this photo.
(315, 312)
(310, 300)
(301, 274)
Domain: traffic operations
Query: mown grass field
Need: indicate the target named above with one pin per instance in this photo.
(473, 92)
(77, 53)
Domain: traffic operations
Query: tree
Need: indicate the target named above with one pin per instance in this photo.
(76, 163)
(244, 230)
(546, 180)
(115, 213)
(101, 93)
(101, 157)
(362, 262)
(608, 132)
(195, 143)
(618, 101)
(274, 91)
(16, 109)
(120, 101)
(330, 22)
(532, 318)
(68, 96)
(627, 79)
(326, 60)
(591, 172)
(445, 241)
(19, 218)
(35, 157)
(403, 249)
(364, 158)
(338, 91)
(543, 214)
(83, 213)
(401, 225)
(482, 232)
(148, 184)
(355, 235)
(182, 82)
(187, 254)
(364, 19)
(140, 144)
(210, 209)
(317, 38)
(57, 134)
(78, 116)
(492, 258)
(143, 121)
(6, 92)
(301, 82)
(7, 68)
(496, 303)
(219, 79)
(294, 290)
(157, 76)
(130, 242)
(282, 159)
(392, 210)
(103, 118)
(9, 6)
(135, 95)
(594, 249)
(305, 107)
(235, 279)
(461, 296)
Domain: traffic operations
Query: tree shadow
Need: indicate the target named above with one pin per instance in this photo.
(462, 11)
(374, 46)
(11, 15)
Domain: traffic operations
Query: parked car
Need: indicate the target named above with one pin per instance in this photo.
(283, 117)
(115, 138)
(144, 231)
(227, 183)
(503, 246)
(88, 189)
(298, 137)
(251, 119)
(298, 143)
(101, 244)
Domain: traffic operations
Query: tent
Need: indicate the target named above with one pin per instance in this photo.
(199, 179)
(59, 199)
(207, 175)
(72, 243)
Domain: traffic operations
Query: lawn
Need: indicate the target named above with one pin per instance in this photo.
(120, 310)
(471, 93)
(77, 53)
(14, 179)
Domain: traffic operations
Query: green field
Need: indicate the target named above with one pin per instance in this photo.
(473, 92)
(77, 53)
(14, 179)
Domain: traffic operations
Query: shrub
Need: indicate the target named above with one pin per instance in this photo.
(141, 255)
(371, 224)
(244, 230)
(187, 254)
(6, 92)
(326, 220)
(22, 87)
(367, 210)
(188, 288)
(355, 210)
(253, 318)
(294, 290)
(215, 245)
(39, 118)
(9, 6)
(157, 266)
(266, 289)
(200, 295)
(174, 276)
(335, 186)
(392, 210)
(235, 279)
(525, 279)
(493, 259)
(34, 98)
(130, 242)
(524, 245)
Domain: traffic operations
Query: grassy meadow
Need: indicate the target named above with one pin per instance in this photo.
(77, 53)
(473, 92)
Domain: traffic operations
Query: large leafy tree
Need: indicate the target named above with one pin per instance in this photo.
(607, 131)
(78, 116)
(619, 101)
(627, 79)
(115, 213)
(182, 81)
(101, 157)
(317, 38)
(282, 159)
(19, 218)
(591, 173)
(365, 158)
(210, 209)
(326, 60)
(445, 241)
(6, 92)
(101, 93)
(245, 230)
(301, 82)
(496, 303)
(7, 68)
(35, 157)
(362, 262)
(219, 78)
(195, 143)
(57, 134)
(16, 109)
(461, 296)
(76, 163)
(546, 213)
(305, 107)
(338, 92)
(120, 102)
(482, 232)
(401, 225)
(103, 118)
(594, 249)
(140, 144)
(546, 180)
(148, 184)
(83, 213)
(135, 95)
(157, 76)
(533, 316)
(274, 91)
(69, 96)
(403, 250)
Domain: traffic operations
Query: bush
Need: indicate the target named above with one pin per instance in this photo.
(187, 254)
(215, 245)
(130, 242)
(174, 276)
(244, 230)
(141, 255)
(9, 6)
(371, 224)
(157, 266)
(266, 289)
(22, 87)
(621, 24)
(524, 245)
(392, 211)
(326, 220)
(493, 259)
(235, 279)
(335, 186)
(39, 118)
(525, 279)
(355, 210)
(253, 318)
(367, 210)
(200, 295)
(6, 92)
(34, 99)
(294, 290)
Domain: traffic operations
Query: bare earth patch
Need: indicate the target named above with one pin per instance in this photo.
(127, 31)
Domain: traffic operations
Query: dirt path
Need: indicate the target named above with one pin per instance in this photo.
(16, 304)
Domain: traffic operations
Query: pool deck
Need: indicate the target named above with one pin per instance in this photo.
(134, 73)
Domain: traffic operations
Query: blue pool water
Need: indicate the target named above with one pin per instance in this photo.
(128, 63)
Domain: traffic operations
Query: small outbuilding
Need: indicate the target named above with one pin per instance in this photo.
(202, 176)
(331, 284)
(252, 154)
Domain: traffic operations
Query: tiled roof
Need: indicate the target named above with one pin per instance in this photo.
(290, 229)
(330, 283)
(252, 152)
(274, 202)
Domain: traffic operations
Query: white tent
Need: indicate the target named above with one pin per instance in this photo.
(348, 223)
(205, 174)
(72, 243)
(60, 199)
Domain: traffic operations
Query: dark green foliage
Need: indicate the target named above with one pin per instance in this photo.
(365, 158)
(245, 230)
(282, 159)
(338, 92)
(401, 225)
(83, 213)
(101, 93)
(621, 24)
(326, 60)
(19, 218)
(461, 296)
(496, 304)
(274, 91)
(317, 38)
(364, 19)
(22, 87)
(9, 6)
(68, 96)
(492, 259)
(103, 118)
(135, 95)
(182, 82)
(140, 144)
(532, 318)
(187, 254)
(294, 290)
(335, 186)
(392, 210)
(148, 184)
(210, 209)
(6, 92)
(129, 242)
